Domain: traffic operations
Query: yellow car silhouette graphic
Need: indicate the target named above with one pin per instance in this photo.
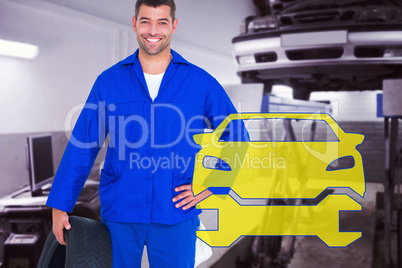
(264, 156)
(270, 167)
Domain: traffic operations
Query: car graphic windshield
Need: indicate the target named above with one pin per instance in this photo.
(277, 129)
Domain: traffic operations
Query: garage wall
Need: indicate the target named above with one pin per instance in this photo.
(38, 93)
(354, 106)
(74, 47)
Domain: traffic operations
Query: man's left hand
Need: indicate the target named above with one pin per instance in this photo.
(187, 198)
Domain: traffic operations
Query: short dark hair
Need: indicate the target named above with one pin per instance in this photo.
(155, 4)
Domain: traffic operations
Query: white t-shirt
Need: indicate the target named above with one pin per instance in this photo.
(153, 83)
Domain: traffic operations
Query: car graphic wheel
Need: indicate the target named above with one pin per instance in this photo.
(88, 245)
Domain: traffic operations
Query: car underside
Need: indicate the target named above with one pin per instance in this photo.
(316, 45)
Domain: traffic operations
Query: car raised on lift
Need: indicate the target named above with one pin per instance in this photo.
(322, 45)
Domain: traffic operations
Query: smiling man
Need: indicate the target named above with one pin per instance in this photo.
(150, 104)
(154, 30)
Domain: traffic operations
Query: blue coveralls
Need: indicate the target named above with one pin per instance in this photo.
(151, 150)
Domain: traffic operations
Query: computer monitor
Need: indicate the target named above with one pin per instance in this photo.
(39, 162)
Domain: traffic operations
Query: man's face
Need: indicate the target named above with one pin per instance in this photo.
(154, 28)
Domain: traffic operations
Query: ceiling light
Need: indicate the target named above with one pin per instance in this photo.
(17, 49)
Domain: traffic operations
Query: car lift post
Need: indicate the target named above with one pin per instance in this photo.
(392, 110)
(391, 141)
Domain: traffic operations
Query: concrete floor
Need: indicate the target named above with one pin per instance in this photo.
(311, 252)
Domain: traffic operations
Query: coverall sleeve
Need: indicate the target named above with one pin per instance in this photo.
(87, 139)
(217, 108)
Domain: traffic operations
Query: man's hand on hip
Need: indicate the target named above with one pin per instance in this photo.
(60, 221)
(187, 198)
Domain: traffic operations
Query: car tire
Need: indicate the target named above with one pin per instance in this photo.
(88, 245)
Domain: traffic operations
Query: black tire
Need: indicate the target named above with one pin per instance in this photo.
(88, 245)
